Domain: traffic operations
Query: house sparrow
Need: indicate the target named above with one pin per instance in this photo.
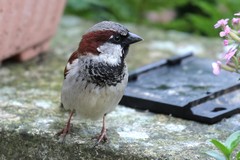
(96, 73)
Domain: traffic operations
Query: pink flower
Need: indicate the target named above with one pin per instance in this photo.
(230, 54)
(237, 14)
(235, 21)
(216, 67)
(225, 32)
(221, 22)
(225, 42)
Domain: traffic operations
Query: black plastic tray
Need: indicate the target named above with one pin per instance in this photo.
(185, 87)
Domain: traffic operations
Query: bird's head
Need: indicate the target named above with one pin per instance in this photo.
(107, 42)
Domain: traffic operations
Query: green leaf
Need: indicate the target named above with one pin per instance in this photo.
(222, 148)
(235, 60)
(232, 141)
(238, 156)
(207, 7)
(216, 155)
(202, 24)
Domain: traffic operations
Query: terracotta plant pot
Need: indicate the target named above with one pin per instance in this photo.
(26, 26)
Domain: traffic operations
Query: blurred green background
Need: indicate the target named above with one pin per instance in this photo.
(193, 16)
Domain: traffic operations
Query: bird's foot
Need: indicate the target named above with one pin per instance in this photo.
(103, 135)
(63, 133)
(101, 138)
(66, 130)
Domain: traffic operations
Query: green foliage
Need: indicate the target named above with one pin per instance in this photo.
(191, 15)
(124, 10)
(226, 148)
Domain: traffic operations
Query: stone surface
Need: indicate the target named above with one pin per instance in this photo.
(30, 114)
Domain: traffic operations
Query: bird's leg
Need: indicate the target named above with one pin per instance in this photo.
(66, 129)
(103, 134)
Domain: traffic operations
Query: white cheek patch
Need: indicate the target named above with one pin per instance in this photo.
(110, 53)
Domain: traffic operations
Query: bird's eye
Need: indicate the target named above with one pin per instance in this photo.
(117, 38)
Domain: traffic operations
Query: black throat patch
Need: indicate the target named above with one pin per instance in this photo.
(103, 74)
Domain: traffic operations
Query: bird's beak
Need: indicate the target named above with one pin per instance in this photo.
(133, 38)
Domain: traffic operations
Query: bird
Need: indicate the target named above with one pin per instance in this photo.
(96, 74)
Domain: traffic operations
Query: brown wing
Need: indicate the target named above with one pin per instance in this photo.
(74, 56)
